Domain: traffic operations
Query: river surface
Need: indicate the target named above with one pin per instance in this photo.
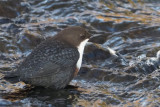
(130, 27)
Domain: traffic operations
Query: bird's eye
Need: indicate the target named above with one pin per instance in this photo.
(82, 36)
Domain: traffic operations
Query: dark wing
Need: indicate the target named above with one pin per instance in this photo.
(49, 58)
(67, 58)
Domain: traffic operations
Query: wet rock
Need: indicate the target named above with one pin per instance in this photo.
(95, 51)
(102, 55)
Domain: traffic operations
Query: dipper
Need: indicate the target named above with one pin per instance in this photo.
(55, 61)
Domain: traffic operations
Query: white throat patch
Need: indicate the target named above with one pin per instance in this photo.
(80, 50)
(158, 55)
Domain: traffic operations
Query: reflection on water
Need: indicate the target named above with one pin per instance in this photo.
(130, 27)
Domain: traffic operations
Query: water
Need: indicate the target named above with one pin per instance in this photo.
(129, 27)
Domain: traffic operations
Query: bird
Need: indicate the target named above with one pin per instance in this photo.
(56, 60)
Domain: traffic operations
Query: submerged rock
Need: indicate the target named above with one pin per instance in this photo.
(97, 54)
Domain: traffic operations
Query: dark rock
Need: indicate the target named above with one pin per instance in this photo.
(95, 52)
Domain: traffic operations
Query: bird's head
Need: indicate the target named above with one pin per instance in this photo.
(74, 35)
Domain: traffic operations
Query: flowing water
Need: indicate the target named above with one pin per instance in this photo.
(130, 27)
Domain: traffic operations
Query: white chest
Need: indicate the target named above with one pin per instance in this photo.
(80, 50)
